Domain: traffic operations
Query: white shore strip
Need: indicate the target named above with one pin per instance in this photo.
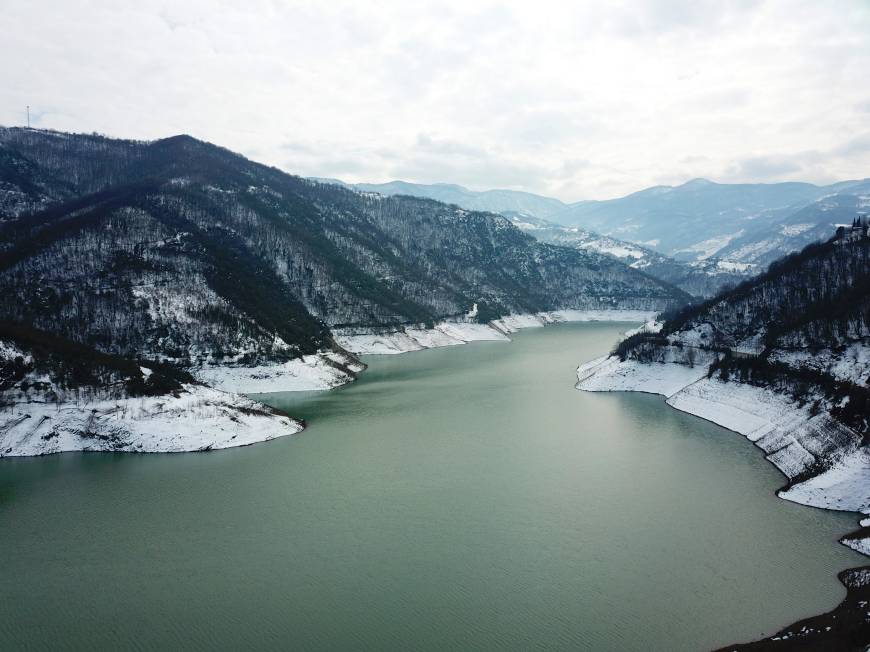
(200, 418)
(323, 370)
(792, 438)
(452, 333)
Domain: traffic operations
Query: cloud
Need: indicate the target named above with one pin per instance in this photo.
(581, 100)
(763, 168)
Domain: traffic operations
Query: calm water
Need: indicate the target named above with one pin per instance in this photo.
(462, 498)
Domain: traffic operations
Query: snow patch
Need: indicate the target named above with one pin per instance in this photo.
(198, 418)
(323, 370)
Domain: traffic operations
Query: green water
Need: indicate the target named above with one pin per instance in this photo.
(454, 499)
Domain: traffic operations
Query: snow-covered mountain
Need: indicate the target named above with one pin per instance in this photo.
(180, 252)
(701, 278)
(739, 224)
(723, 233)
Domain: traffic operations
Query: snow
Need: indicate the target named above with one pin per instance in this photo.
(796, 229)
(845, 486)
(732, 266)
(199, 418)
(706, 248)
(851, 364)
(471, 332)
(513, 323)
(431, 339)
(378, 343)
(323, 370)
(600, 315)
(614, 248)
(649, 326)
(609, 374)
(451, 333)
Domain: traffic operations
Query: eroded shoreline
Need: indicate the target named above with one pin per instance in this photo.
(788, 434)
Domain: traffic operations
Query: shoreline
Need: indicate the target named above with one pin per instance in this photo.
(219, 414)
(842, 628)
(752, 413)
(407, 339)
(787, 434)
(198, 419)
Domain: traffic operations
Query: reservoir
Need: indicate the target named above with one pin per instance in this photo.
(463, 498)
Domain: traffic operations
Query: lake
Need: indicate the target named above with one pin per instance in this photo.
(452, 499)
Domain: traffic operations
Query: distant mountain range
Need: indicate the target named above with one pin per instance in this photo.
(739, 223)
(701, 278)
(724, 231)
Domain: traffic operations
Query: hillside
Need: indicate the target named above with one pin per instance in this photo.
(181, 250)
(57, 395)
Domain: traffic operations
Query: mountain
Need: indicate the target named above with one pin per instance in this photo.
(701, 278)
(700, 236)
(493, 201)
(180, 252)
(749, 224)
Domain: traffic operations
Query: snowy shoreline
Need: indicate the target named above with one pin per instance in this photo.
(793, 439)
(196, 419)
(323, 370)
(218, 415)
(371, 341)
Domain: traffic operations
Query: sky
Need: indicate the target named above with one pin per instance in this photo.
(568, 99)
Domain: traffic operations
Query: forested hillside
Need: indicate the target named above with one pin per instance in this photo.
(182, 251)
(802, 327)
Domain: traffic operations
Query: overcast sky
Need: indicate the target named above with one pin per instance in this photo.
(572, 101)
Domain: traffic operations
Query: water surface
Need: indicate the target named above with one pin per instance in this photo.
(461, 498)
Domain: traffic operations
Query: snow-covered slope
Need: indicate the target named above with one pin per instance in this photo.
(57, 395)
(323, 370)
(197, 418)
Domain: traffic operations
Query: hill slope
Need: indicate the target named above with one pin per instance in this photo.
(181, 250)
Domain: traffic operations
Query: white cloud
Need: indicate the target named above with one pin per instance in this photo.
(572, 99)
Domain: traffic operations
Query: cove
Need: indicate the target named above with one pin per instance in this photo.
(459, 498)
